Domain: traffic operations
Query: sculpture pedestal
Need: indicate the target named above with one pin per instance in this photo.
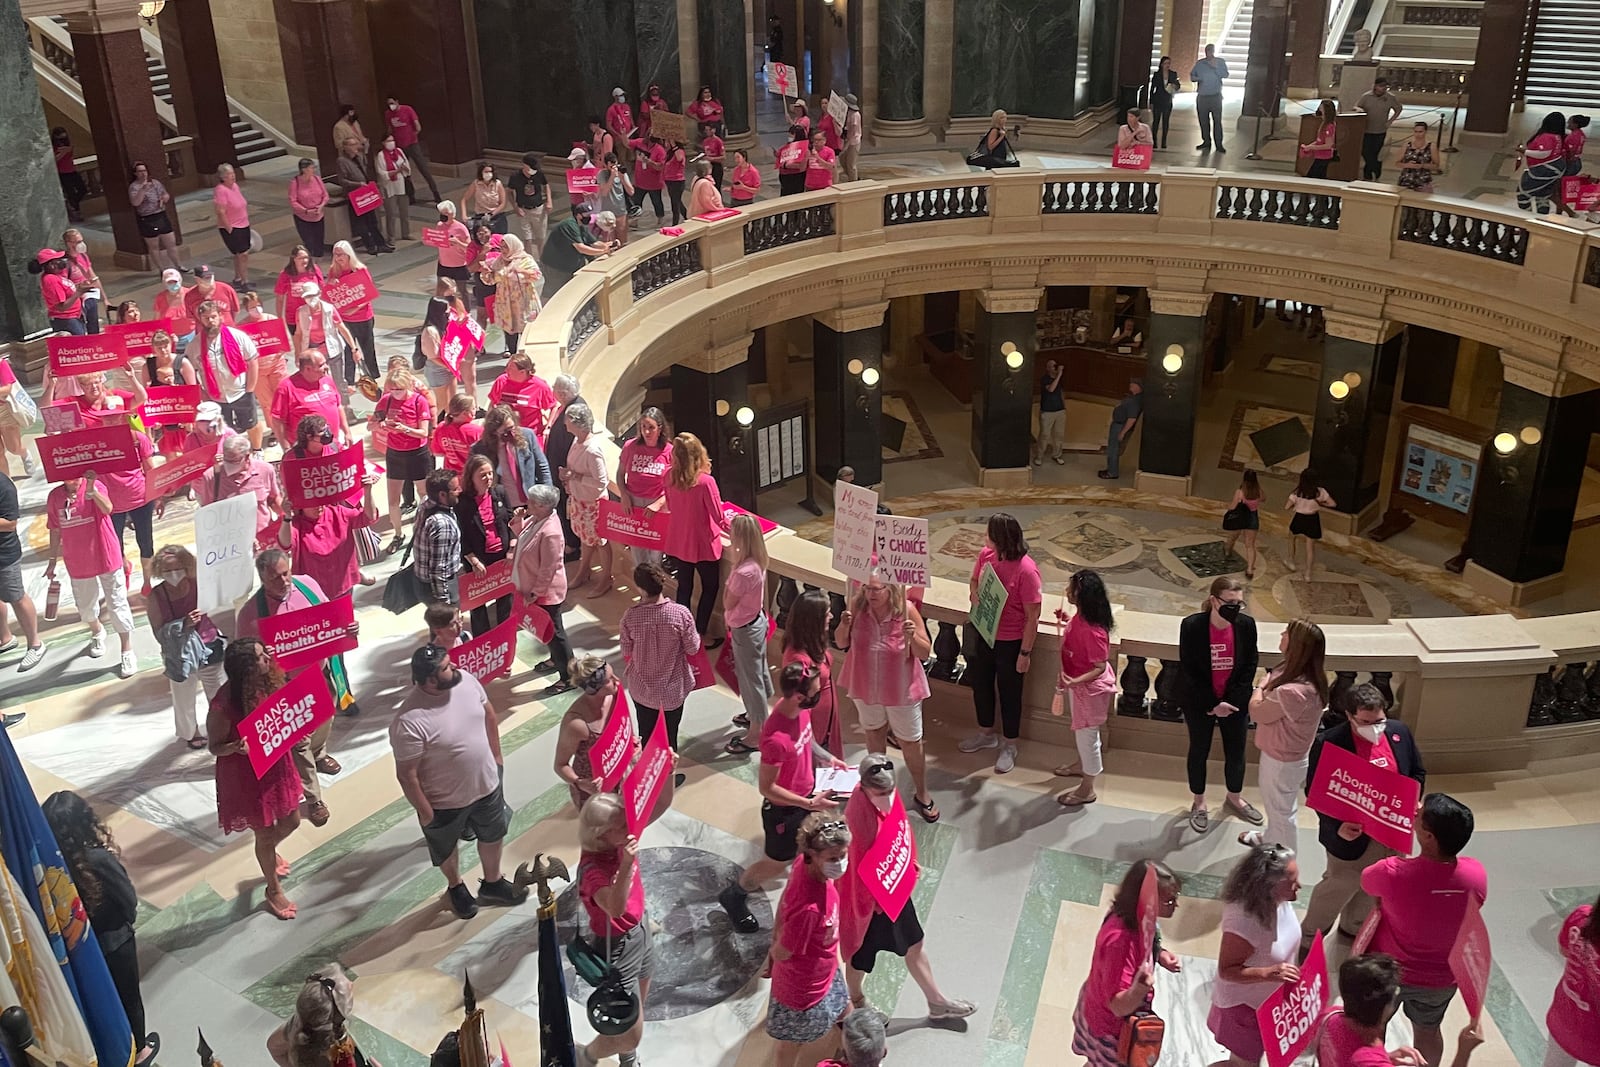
(1355, 81)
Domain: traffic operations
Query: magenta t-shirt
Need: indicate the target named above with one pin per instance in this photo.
(1222, 651)
(1023, 587)
(818, 176)
(1115, 962)
(1574, 1016)
(411, 410)
(530, 399)
(1423, 903)
(786, 745)
(126, 488)
(403, 124)
(1339, 1043)
(808, 917)
(295, 399)
(597, 871)
(89, 545)
(644, 469)
(453, 442)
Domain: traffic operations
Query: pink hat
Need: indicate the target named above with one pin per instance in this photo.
(46, 255)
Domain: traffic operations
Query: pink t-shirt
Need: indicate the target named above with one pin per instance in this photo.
(644, 469)
(1424, 903)
(744, 593)
(648, 177)
(1326, 136)
(225, 296)
(695, 533)
(1574, 1016)
(786, 745)
(808, 917)
(529, 399)
(598, 871)
(126, 488)
(818, 174)
(1115, 962)
(1083, 644)
(1222, 651)
(325, 549)
(113, 401)
(1340, 1045)
(403, 124)
(491, 531)
(233, 213)
(288, 287)
(412, 410)
(89, 545)
(452, 254)
(675, 166)
(1023, 587)
(55, 289)
(745, 174)
(453, 442)
(296, 398)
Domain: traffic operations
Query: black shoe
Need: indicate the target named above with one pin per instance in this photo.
(152, 1043)
(408, 508)
(11, 719)
(733, 901)
(501, 894)
(352, 711)
(678, 780)
(1107, 475)
(1221, 149)
(571, 555)
(461, 901)
(387, 248)
(1203, 147)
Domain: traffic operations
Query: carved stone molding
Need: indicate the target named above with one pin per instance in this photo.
(1543, 379)
(1192, 305)
(720, 357)
(1003, 301)
(849, 320)
(1360, 328)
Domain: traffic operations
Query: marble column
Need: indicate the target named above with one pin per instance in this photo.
(689, 77)
(656, 42)
(1361, 359)
(194, 71)
(122, 117)
(724, 59)
(1006, 328)
(426, 54)
(849, 430)
(938, 35)
(1309, 22)
(1267, 71)
(1526, 498)
(35, 214)
(707, 393)
(1183, 29)
(899, 85)
(1133, 50)
(1494, 69)
(334, 56)
(1171, 396)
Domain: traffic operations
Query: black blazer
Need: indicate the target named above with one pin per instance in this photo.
(1408, 761)
(472, 530)
(1163, 93)
(1194, 657)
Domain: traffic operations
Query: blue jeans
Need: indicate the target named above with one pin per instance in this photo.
(1113, 450)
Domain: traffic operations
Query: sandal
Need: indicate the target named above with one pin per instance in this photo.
(1068, 770)
(742, 721)
(556, 688)
(1075, 800)
(544, 666)
(196, 743)
(928, 811)
(1250, 838)
(739, 747)
(395, 544)
(284, 913)
(714, 643)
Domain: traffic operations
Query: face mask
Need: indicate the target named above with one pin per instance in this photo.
(173, 577)
(1229, 610)
(394, 107)
(231, 467)
(174, 287)
(313, 301)
(834, 869)
(444, 218)
(882, 803)
(80, 248)
(811, 701)
(1372, 733)
(388, 146)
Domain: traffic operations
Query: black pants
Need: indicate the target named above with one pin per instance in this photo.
(312, 236)
(560, 648)
(364, 228)
(647, 723)
(567, 533)
(675, 194)
(716, 175)
(655, 200)
(143, 519)
(123, 963)
(362, 332)
(481, 621)
(1318, 168)
(710, 572)
(1234, 730)
(789, 184)
(1160, 121)
(991, 670)
(419, 167)
(1372, 155)
(73, 189)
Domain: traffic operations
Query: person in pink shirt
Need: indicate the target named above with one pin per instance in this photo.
(78, 515)
(308, 199)
(649, 172)
(407, 414)
(129, 505)
(85, 279)
(705, 109)
(1351, 1035)
(1424, 899)
(99, 404)
(1574, 1016)
(206, 287)
(830, 132)
(675, 174)
(171, 304)
(362, 356)
(1121, 982)
(1287, 709)
(529, 395)
(299, 270)
(321, 540)
(541, 578)
(800, 115)
(805, 642)
(715, 152)
(999, 669)
(744, 184)
(694, 537)
(809, 994)
(63, 303)
(456, 435)
(1087, 684)
(744, 613)
(619, 122)
(233, 222)
(239, 472)
(1218, 656)
(311, 390)
(792, 157)
(704, 196)
(642, 470)
(821, 164)
(457, 251)
(652, 101)
(407, 131)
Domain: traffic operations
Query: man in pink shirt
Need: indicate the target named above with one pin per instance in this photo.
(206, 287)
(238, 472)
(78, 514)
(407, 131)
(1423, 901)
(649, 172)
(619, 122)
(311, 390)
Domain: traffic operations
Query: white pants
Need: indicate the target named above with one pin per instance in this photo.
(86, 593)
(1556, 1056)
(1052, 431)
(1088, 741)
(184, 698)
(1280, 796)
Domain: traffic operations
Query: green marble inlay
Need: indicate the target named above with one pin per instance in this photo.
(379, 1046)
(935, 842)
(192, 919)
(1565, 900)
(707, 751)
(1525, 1035)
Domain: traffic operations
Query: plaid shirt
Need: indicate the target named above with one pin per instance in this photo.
(438, 553)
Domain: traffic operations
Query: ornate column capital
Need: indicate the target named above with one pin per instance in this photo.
(1363, 328)
(719, 357)
(849, 320)
(1004, 301)
(1541, 378)
(1175, 303)
(106, 17)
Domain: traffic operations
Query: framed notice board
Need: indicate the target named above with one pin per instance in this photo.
(1439, 466)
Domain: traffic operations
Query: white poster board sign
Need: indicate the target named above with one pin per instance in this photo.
(224, 541)
(855, 528)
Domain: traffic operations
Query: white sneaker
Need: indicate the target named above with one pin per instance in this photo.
(951, 1009)
(29, 466)
(1006, 762)
(978, 742)
(97, 644)
(128, 667)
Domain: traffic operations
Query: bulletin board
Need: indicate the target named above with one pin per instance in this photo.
(1438, 469)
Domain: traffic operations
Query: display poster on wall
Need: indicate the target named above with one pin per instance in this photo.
(1439, 467)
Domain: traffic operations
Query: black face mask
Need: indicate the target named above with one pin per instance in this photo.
(809, 702)
(1229, 611)
(443, 217)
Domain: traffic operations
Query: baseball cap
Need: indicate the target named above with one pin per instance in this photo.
(577, 155)
(46, 255)
(617, 93)
(208, 411)
(202, 271)
(171, 275)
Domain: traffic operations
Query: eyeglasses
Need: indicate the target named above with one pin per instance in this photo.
(326, 437)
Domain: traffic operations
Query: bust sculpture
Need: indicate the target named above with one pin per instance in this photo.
(1363, 46)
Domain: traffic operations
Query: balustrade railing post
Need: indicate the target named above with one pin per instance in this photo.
(946, 650)
(1135, 684)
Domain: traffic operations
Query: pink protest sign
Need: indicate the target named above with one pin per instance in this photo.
(643, 784)
(476, 590)
(1288, 1018)
(71, 354)
(136, 335)
(99, 449)
(270, 335)
(179, 471)
(489, 655)
(720, 213)
(583, 181)
(1149, 911)
(325, 479)
(889, 866)
(170, 405)
(1134, 157)
(364, 199)
(350, 291)
(635, 527)
(455, 344)
(1470, 960)
(310, 635)
(700, 667)
(62, 418)
(729, 510)
(435, 236)
(609, 755)
(284, 718)
(1348, 788)
(1365, 934)
(537, 621)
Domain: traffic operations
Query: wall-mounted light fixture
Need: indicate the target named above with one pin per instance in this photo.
(150, 9)
(1172, 362)
(744, 416)
(1014, 358)
(870, 377)
(1505, 443)
(722, 409)
(1531, 435)
(1338, 389)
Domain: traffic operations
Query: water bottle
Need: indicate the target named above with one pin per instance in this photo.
(52, 600)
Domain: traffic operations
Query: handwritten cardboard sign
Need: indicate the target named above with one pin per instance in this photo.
(583, 182)
(889, 865)
(436, 236)
(1288, 1017)
(310, 634)
(62, 418)
(837, 109)
(609, 754)
(991, 602)
(1350, 789)
(224, 550)
(729, 510)
(326, 479)
(1470, 959)
(283, 718)
(489, 655)
(97, 448)
(642, 786)
(782, 79)
(635, 527)
(170, 405)
(1134, 157)
(350, 291)
(902, 546)
(73, 354)
(669, 127)
(855, 529)
(270, 335)
(179, 471)
(364, 199)
(475, 590)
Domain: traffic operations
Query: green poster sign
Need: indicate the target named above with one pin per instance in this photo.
(990, 603)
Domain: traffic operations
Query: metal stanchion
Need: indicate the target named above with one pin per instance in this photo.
(1255, 148)
(1454, 115)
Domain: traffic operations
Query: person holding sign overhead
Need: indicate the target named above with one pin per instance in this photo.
(1217, 653)
(998, 663)
(1121, 978)
(268, 806)
(1260, 937)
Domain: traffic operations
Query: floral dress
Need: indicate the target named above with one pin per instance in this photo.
(1414, 172)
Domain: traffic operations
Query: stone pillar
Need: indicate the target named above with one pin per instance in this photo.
(1171, 397)
(425, 53)
(334, 57)
(707, 393)
(849, 407)
(939, 35)
(1309, 19)
(122, 117)
(1183, 26)
(1268, 68)
(1526, 497)
(689, 76)
(1133, 51)
(194, 70)
(724, 61)
(1361, 361)
(900, 81)
(34, 215)
(1007, 327)
(1494, 70)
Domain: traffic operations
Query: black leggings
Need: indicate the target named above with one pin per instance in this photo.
(655, 200)
(710, 572)
(1234, 730)
(143, 518)
(481, 622)
(560, 649)
(123, 963)
(675, 194)
(647, 723)
(1160, 122)
(993, 669)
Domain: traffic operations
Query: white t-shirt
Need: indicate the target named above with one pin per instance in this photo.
(1267, 947)
(232, 385)
(447, 734)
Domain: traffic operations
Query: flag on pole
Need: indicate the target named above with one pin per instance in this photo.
(555, 1019)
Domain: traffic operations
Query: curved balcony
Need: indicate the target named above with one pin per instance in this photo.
(1482, 693)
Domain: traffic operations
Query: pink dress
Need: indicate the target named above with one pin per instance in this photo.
(243, 801)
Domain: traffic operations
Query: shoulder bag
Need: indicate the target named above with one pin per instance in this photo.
(1236, 518)
(1140, 1042)
(403, 591)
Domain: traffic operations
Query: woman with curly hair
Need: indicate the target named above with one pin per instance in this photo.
(315, 1035)
(109, 898)
(1260, 943)
(809, 994)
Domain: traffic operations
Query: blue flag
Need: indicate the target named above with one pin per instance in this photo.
(35, 862)
(555, 1021)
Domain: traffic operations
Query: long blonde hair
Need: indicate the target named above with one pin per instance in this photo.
(689, 461)
(748, 541)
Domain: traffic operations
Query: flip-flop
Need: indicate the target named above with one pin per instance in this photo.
(1066, 770)
(742, 721)
(1073, 800)
(739, 747)
(545, 666)
(285, 913)
(928, 811)
(152, 1041)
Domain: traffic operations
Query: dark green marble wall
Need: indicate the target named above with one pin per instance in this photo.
(1041, 58)
(34, 215)
(900, 32)
(724, 60)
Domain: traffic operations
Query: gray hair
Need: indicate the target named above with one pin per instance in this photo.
(325, 1002)
(581, 417)
(820, 832)
(865, 1038)
(565, 385)
(448, 207)
(223, 170)
(877, 773)
(269, 559)
(606, 219)
(234, 444)
(545, 496)
(1253, 882)
(600, 816)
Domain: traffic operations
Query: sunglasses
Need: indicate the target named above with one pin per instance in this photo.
(596, 681)
(326, 437)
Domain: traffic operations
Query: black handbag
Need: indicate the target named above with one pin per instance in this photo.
(1236, 518)
(403, 591)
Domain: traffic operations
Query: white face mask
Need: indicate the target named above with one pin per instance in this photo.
(394, 107)
(388, 146)
(883, 802)
(834, 869)
(80, 248)
(1372, 733)
(173, 577)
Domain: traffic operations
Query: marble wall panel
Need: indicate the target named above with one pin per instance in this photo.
(655, 40)
(900, 42)
(724, 60)
(34, 211)
(1042, 58)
